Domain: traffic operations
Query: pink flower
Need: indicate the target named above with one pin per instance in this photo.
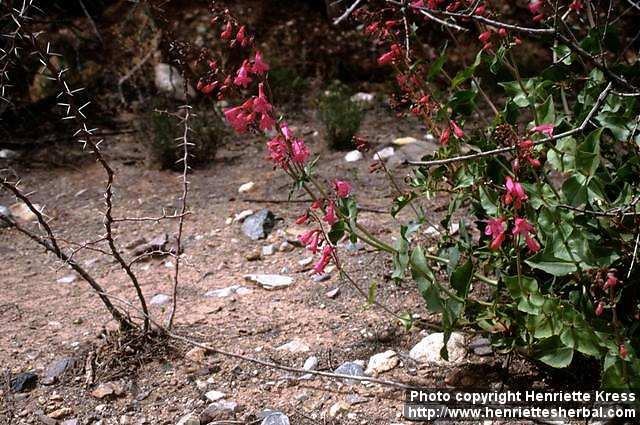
(457, 131)
(226, 34)
(238, 118)
(444, 136)
(330, 214)
(286, 132)
(496, 229)
(242, 77)
(515, 193)
(576, 5)
(600, 309)
(241, 37)
(261, 104)
(300, 151)
(277, 151)
(327, 251)
(484, 37)
(535, 6)
(480, 10)
(303, 218)
(417, 3)
(343, 188)
(259, 65)
(546, 129)
(266, 122)
(391, 55)
(310, 239)
(612, 281)
(523, 228)
(502, 32)
(623, 351)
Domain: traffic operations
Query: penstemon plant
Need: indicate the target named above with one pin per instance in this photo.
(545, 164)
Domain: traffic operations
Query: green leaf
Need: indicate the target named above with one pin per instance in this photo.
(547, 261)
(588, 154)
(553, 352)
(461, 278)
(466, 73)
(436, 66)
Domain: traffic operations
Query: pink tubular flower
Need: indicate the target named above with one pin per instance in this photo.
(242, 77)
(317, 204)
(261, 104)
(327, 251)
(444, 136)
(227, 33)
(457, 131)
(303, 218)
(484, 37)
(535, 6)
(600, 309)
(576, 5)
(523, 228)
(343, 188)
(241, 37)
(238, 118)
(266, 122)
(515, 193)
(612, 281)
(330, 214)
(496, 229)
(300, 152)
(286, 132)
(623, 351)
(310, 239)
(259, 65)
(391, 55)
(277, 151)
(546, 129)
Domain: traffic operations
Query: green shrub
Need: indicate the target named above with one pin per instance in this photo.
(340, 116)
(160, 130)
(286, 85)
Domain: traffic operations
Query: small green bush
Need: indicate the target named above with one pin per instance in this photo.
(340, 116)
(286, 85)
(161, 130)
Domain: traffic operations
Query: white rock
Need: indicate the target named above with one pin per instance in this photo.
(268, 250)
(305, 261)
(285, 247)
(270, 281)
(311, 363)
(353, 156)
(8, 154)
(428, 350)
(215, 395)
(68, 279)
(363, 98)
(223, 292)
(382, 362)
(189, 419)
(160, 299)
(239, 218)
(169, 80)
(23, 212)
(385, 153)
(402, 141)
(243, 291)
(432, 231)
(246, 187)
(294, 346)
(338, 408)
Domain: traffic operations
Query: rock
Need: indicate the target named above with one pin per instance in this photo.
(317, 278)
(353, 156)
(243, 291)
(254, 255)
(333, 293)
(428, 350)
(242, 215)
(60, 413)
(285, 247)
(5, 212)
(108, 389)
(259, 225)
(57, 369)
(306, 261)
(294, 346)
(8, 154)
(272, 417)
(351, 369)
(228, 291)
(338, 408)
(270, 281)
(23, 212)
(311, 363)
(196, 354)
(479, 342)
(214, 395)
(67, 279)
(160, 299)
(432, 231)
(219, 411)
(246, 187)
(482, 351)
(268, 250)
(382, 362)
(356, 399)
(169, 80)
(403, 141)
(363, 99)
(70, 422)
(413, 151)
(23, 382)
(189, 419)
(384, 154)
